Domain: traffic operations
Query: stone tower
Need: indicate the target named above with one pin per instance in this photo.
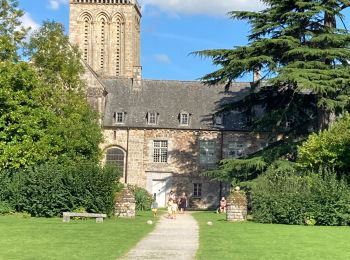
(108, 35)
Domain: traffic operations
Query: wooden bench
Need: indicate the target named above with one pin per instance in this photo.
(68, 215)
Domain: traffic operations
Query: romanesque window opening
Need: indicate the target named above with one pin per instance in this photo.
(207, 152)
(197, 189)
(160, 151)
(152, 118)
(116, 156)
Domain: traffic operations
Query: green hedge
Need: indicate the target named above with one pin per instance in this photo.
(287, 198)
(50, 189)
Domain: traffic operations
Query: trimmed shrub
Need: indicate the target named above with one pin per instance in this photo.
(143, 198)
(52, 188)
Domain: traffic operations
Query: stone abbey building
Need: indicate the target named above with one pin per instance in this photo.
(162, 133)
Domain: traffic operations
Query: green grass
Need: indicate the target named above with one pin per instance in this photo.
(49, 239)
(249, 240)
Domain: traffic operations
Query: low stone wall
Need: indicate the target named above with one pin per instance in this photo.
(236, 209)
(125, 206)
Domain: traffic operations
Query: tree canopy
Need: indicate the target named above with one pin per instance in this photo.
(44, 114)
(301, 53)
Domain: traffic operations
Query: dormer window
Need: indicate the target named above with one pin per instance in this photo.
(119, 117)
(152, 118)
(184, 118)
(218, 120)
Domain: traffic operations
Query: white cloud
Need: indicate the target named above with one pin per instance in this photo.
(28, 21)
(55, 4)
(162, 58)
(206, 7)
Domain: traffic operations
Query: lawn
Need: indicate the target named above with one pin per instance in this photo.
(251, 240)
(49, 239)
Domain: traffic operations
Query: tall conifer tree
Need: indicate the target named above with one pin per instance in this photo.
(303, 58)
(301, 49)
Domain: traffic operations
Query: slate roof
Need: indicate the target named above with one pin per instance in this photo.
(169, 99)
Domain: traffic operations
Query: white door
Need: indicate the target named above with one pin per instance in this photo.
(158, 188)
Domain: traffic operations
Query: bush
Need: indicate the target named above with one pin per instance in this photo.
(5, 208)
(142, 197)
(329, 148)
(284, 197)
(50, 189)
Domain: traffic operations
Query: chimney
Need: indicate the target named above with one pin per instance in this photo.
(137, 77)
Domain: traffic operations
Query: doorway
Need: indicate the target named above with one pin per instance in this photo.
(159, 189)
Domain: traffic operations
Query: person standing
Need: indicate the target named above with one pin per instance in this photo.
(154, 206)
(182, 203)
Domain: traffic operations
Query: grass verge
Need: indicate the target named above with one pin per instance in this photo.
(249, 240)
(40, 238)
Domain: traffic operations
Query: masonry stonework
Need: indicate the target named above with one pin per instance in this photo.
(108, 35)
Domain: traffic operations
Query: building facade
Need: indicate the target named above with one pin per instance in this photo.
(163, 134)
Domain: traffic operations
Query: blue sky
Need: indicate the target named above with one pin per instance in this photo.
(171, 29)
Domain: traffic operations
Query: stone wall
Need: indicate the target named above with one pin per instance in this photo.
(125, 206)
(119, 40)
(183, 168)
(237, 206)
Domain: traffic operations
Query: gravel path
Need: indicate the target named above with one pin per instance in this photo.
(171, 239)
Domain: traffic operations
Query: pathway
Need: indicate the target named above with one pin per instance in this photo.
(171, 239)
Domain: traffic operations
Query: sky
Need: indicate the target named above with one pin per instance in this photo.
(170, 31)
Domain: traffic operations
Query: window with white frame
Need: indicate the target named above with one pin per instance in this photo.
(119, 117)
(197, 189)
(160, 151)
(207, 152)
(152, 118)
(236, 149)
(184, 118)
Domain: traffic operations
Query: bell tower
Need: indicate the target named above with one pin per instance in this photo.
(108, 35)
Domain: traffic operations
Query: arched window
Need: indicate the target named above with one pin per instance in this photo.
(115, 156)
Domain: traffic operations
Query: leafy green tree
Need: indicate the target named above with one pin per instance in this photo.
(57, 61)
(44, 114)
(328, 149)
(302, 56)
(242, 171)
(76, 131)
(12, 33)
